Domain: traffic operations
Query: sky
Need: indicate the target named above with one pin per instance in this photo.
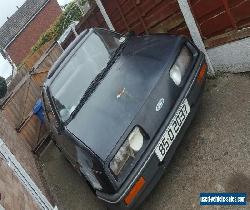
(7, 8)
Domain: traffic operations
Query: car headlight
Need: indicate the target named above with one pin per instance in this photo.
(178, 71)
(132, 145)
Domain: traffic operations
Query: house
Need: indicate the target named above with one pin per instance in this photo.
(22, 30)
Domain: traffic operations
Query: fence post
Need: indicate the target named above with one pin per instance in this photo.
(232, 19)
(194, 31)
(105, 15)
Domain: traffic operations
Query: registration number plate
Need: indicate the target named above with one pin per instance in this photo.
(172, 130)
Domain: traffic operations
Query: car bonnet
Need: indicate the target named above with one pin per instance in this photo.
(120, 96)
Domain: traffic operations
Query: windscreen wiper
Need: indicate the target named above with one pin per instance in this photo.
(95, 83)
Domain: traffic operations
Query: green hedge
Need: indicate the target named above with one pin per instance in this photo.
(70, 14)
(3, 87)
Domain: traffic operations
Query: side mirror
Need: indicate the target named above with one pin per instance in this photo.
(130, 33)
(59, 129)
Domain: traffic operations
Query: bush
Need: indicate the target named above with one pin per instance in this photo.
(70, 14)
(3, 87)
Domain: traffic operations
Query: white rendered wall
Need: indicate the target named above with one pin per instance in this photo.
(194, 31)
(231, 57)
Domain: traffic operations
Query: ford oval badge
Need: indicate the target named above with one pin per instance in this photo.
(159, 105)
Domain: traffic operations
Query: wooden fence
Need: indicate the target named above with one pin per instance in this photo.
(42, 67)
(222, 21)
(18, 105)
(33, 58)
(147, 16)
(219, 21)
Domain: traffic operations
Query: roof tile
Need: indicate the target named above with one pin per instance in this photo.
(19, 20)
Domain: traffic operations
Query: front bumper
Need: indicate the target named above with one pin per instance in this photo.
(151, 169)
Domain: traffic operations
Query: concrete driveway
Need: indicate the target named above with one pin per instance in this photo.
(214, 156)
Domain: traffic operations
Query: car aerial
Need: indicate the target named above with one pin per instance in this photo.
(120, 106)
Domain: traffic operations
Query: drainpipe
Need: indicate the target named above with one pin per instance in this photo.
(194, 31)
(105, 15)
(7, 57)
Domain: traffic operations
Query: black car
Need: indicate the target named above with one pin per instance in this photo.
(121, 105)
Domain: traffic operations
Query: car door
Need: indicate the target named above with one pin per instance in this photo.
(62, 141)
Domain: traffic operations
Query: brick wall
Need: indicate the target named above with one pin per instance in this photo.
(23, 154)
(13, 194)
(21, 46)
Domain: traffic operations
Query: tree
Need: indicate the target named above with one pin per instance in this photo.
(71, 13)
(3, 87)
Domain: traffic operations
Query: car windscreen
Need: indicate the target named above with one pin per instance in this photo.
(77, 74)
